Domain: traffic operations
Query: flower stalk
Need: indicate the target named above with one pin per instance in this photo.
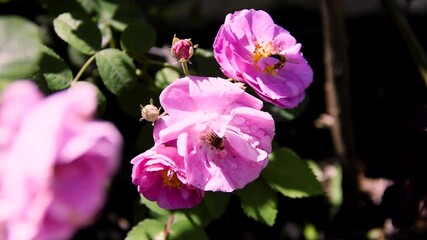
(184, 66)
(83, 69)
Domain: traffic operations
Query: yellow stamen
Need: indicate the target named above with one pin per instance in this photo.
(171, 180)
(268, 50)
(261, 51)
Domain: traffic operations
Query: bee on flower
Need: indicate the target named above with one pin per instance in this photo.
(252, 49)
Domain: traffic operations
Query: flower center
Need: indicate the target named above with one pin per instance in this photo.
(214, 140)
(170, 179)
(269, 50)
(261, 51)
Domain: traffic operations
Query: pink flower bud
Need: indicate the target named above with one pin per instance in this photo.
(182, 49)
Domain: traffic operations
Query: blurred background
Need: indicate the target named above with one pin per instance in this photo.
(363, 124)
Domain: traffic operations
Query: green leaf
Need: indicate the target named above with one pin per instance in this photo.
(156, 212)
(54, 71)
(117, 70)
(334, 192)
(212, 207)
(261, 207)
(310, 231)
(148, 229)
(79, 31)
(20, 48)
(75, 57)
(184, 230)
(107, 9)
(216, 203)
(290, 175)
(336, 195)
(154, 207)
(102, 102)
(165, 76)
(88, 5)
(107, 34)
(198, 215)
(138, 38)
(118, 13)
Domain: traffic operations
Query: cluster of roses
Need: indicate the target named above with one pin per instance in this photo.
(56, 161)
(214, 136)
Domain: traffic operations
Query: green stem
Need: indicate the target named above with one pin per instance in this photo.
(83, 69)
(169, 224)
(162, 64)
(185, 68)
(146, 60)
(112, 43)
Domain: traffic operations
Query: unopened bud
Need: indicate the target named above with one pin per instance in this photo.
(150, 112)
(182, 49)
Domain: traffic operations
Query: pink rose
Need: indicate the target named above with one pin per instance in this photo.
(220, 131)
(252, 49)
(55, 161)
(159, 175)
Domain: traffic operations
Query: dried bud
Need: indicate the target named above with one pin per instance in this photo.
(150, 112)
(182, 49)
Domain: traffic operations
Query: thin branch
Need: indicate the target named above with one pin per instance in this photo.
(337, 94)
(337, 89)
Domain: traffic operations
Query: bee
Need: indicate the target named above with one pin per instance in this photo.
(215, 141)
(282, 60)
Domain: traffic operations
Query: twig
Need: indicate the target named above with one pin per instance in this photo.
(337, 94)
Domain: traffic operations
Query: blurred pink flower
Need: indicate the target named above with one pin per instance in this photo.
(250, 48)
(159, 175)
(55, 161)
(220, 130)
